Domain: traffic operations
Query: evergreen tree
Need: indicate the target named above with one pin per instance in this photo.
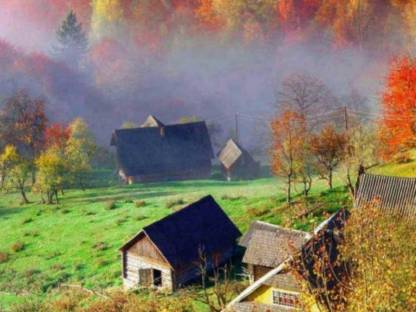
(72, 41)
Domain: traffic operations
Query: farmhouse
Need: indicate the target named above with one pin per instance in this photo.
(279, 289)
(269, 245)
(236, 162)
(394, 195)
(167, 253)
(157, 152)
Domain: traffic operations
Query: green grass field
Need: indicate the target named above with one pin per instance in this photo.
(77, 241)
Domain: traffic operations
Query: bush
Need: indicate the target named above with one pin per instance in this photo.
(27, 220)
(3, 257)
(139, 203)
(100, 246)
(257, 212)
(175, 202)
(18, 246)
(110, 205)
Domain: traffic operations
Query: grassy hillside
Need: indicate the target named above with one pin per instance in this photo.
(77, 241)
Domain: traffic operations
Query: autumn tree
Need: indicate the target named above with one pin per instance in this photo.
(383, 261)
(19, 176)
(79, 151)
(51, 174)
(328, 148)
(72, 42)
(57, 135)
(306, 95)
(22, 124)
(288, 147)
(398, 124)
(8, 159)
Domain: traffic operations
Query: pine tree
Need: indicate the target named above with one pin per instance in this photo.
(72, 41)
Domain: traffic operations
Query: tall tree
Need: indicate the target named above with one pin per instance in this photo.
(72, 41)
(398, 124)
(79, 151)
(328, 147)
(288, 147)
(22, 124)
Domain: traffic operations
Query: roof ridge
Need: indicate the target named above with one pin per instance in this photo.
(282, 228)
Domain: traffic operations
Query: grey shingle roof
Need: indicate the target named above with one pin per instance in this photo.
(395, 195)
(269, 245)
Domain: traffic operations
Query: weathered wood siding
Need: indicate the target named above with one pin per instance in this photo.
(257, 271)
(141, 256)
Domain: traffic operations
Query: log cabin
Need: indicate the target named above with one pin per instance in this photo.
(167, 254)
(236, 162)
(158, 152)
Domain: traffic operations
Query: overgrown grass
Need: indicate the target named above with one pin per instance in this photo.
(77, 242)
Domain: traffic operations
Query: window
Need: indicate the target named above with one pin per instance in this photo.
(285, 299)
(157, 278)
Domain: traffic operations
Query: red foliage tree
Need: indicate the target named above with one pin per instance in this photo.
(57, 135)
(398, 124)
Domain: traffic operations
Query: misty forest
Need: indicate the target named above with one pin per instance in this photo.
(207, 155)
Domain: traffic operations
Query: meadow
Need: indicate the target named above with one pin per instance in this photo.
(76, 242)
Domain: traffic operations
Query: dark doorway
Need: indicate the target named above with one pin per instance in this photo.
(157, 278)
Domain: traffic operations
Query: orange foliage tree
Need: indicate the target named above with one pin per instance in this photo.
(289, 141)
(398, 127)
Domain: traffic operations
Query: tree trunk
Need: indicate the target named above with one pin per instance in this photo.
(289, 189)
(330, 179)
(24, 197)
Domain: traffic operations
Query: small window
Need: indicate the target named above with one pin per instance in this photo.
(285, 299)
(157, 278)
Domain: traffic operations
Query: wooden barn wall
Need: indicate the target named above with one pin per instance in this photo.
(143, 255)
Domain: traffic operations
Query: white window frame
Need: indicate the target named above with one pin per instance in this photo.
(281, 292)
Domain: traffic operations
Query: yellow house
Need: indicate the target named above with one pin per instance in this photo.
(276, 291)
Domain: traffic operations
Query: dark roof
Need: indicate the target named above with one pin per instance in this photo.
(181, 235)
(163, 150)
(232, 152)
(152, 121)
(392, 194)
(269, 245)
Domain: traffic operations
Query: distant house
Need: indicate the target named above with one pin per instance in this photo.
(158, 152)
(269, 245)
(393, 195)
(280, 288)
(167, 253)
(236, 162)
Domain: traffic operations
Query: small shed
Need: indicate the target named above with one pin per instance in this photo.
(268, 245)
(236, 162)
(394, 195)
(167, 253)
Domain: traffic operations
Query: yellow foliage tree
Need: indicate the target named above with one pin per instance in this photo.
(107, 19)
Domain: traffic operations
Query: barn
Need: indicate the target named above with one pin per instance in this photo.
(167, 253)
(159, 152)
(236, 162)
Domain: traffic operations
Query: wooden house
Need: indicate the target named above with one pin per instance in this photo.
(236, 162)
(394, 195)
(158, 152)
(167, 253)
(280, 288)
(268, 245)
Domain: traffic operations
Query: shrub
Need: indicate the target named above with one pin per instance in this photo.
(3, 257)
(110, 205)
(140, 217)
(174, 202)
(257, 212)
(18, 246)
(139, 203)
(128, 201)
(27, 220)
(100, 246)
(27, 305)
(232, 197)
